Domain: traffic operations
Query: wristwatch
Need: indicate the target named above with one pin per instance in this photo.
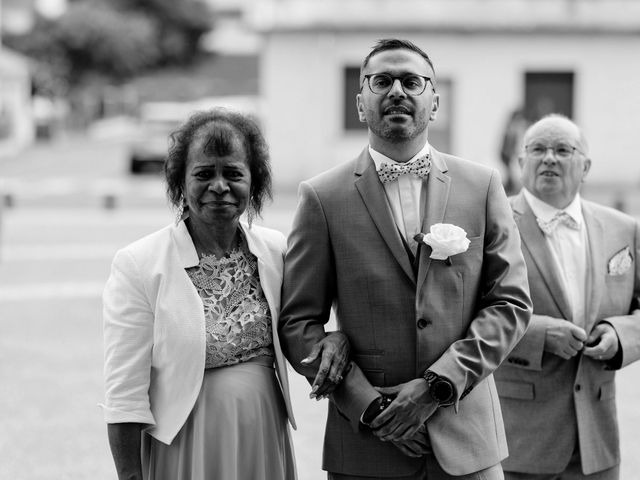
(441, 389)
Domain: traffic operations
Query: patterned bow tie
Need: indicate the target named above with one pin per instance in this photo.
(558, 218)
(388, 172)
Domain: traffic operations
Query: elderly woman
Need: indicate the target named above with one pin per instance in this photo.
(196, 383)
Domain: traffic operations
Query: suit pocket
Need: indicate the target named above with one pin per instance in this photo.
(607, 391)
(516, 390)
(371, 363)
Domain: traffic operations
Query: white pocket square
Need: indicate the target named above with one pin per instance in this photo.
(620, 262)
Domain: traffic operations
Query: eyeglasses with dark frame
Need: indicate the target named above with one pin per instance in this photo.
(412, 84)
(561, 151)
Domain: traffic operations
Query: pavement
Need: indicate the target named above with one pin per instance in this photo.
(69, 206)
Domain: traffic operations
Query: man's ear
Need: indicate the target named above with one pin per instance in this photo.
(435, 105)
(360, 107)
(587, 167)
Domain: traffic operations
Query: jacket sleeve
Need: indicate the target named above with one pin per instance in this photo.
(309, 289)
(628, 326)
(504, 306)
(128, 340)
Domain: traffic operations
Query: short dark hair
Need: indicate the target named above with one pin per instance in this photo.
(219, 128)
(395, 44)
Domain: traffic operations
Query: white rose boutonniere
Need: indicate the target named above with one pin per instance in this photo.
(445, 240)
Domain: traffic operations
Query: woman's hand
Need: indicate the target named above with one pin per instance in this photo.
(125, 443)
(335, 349)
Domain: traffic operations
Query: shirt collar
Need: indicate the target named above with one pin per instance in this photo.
(546, 212)
(378, 157)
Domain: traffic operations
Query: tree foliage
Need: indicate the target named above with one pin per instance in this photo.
(180, 24)
(99, 39)
(50, 66)
(115, 39)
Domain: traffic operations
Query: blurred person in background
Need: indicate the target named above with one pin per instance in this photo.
(510, 149)
(557, 386)
(427, 324)
(196, 384)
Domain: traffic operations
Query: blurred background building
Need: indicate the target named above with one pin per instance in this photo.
(295, 64)
(577, 57)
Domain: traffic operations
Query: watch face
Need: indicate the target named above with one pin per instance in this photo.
(442, 391)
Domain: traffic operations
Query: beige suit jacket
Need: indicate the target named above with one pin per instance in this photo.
(154, 327)
(460, 320)
(550, 403)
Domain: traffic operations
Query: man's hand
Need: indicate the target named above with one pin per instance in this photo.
(335, 357)
(410, 409)
(602, 343)
(416, 446)
(564, 339)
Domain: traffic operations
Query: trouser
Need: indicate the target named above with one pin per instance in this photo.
(572, 472)
(431, 471)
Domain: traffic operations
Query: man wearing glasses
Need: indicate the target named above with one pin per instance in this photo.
(557, 386)
(428, 323)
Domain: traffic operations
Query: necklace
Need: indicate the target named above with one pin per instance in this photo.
(218, 253)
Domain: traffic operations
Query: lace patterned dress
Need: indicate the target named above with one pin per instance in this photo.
(238, 428)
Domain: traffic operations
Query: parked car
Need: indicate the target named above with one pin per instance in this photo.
(158, 119)
(149, 147)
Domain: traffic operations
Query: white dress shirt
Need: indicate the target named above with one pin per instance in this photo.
(570, 251)
(405, 196)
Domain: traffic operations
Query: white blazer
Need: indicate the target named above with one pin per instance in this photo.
(154, 327)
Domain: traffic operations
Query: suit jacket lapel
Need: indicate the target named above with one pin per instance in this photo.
(437, 187)
(541, 254)
(597, 266)
(184, 244)
(373, 195)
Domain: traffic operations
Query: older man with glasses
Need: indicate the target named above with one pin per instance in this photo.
(557, 386)
(418, 253)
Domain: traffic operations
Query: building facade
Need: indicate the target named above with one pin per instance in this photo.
(577, 57)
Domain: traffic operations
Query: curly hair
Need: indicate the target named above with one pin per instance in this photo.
(219, 128)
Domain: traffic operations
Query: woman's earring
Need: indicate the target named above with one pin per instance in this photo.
(180, 210)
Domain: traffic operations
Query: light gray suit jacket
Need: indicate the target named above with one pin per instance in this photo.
(550, 403)
(460, 320)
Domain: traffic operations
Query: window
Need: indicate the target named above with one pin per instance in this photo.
(351, 89)
(548, 92)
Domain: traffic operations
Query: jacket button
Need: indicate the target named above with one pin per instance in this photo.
(578, 387)
(422, 323)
